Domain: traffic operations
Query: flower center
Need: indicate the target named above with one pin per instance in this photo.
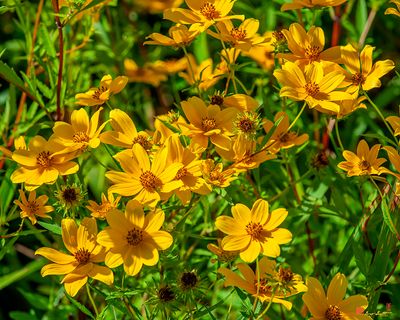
(217, 100)
(238, 34)
(69, 195)
(181, 173)
(262, 286)
(149, 181)
(80, 137)
(279, 38)
(134, 237)
(43, 159)
(358, 79)
(286, 136)
(33, 207)
(82, 256)
(98, 92)
(312, 53)
(208, 124)
(364, 165)
(254, 230)
(333, 313)
(143, 141)
(245, 125)
(285, 274)
(312, 89)
(208, 10)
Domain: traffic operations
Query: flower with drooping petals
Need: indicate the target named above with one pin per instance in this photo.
(394, 11)
(179, 36)
(215, 175)
(108, 204)
(298, 4)
(32, 207)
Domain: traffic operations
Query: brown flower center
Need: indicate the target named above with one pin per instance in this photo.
(96, 95)
(181, 173)
(166, 294)
(208, 10)
(80, 137)
(286, 136)
(143, 141)
(333, 313)
(312, 89)
(254, 229)
(43, 159)
(217, 100)
(358, 79)
(69, 195)
(82, 256)
(134, 237)
(149, 181)
(238, 34)
(33, 207)
(312, 53)
(246, 125)
(262, 286)
(188, 280)
(285, 274)
(208, 124)
(364, 165)
(279, 37)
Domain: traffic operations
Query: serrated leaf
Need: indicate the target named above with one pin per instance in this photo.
(80, 306)
(48, 45)
(51, 227)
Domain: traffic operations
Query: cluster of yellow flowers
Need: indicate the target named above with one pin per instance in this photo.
(206, 145)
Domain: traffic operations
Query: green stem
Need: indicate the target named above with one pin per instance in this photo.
(91, 300)
(297, 117)
(338, 136)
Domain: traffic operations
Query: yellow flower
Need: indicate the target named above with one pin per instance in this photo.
(125, 134)
(394, 159)
(179, 36)
(143, 179)
(243, 37)
(42, 163)
(313, 86)
(362, 73)
(298, 4)
(86, 252)
(215, 175)
(307, 47)
(266, 284)
(348, 106)
(332, 306)
(254, 231)
(208, 123)
(281, 138)
(19, 144)
(395, 124)
(80, 134)
(242, 102)
(100, 211)
(32, 207)
(98, 96)
(264, 55)
(165, 125)
(145, 74)
(190, 174)
(393, 10)
(365, 162)
(157, 6)
(202, 13)
(133, 238)
(171, 66)
(223, 256)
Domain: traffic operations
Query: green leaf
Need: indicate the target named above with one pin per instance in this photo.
(80, 306)
(361, 15)
(48, 44)
(18, 315)
(51, 227)
(31, 267)
(388, 219)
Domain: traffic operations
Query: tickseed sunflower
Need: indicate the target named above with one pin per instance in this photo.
(157, 6)
(264, 55)
(42, 163)
(394, 10)
(85, 254)
(281, 138)
(208, 123)
(100, 95)
(243, 37)
(133, 238)
(242, 102)
(332, 306)
(347, 107)
(70, 196)
(362, 73)
(125, 134)
(143, 179)
(19, 144)
(32, 207)
(254, 231)
(266, 284)
(365, 162)
(215, 175)
(307, 47)
(298, 4)
(179, 36)
(166, 125)
(223, 256)
(108, 204)
(146, 74)
(314, 86)
(81, 134)
(395, 124)
(202, 14)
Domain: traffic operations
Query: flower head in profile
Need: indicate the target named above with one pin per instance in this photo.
(331, 306)
(142, 178)
(202, 14)
(254, 231)
(394, 122)
(101, 94)
(365, 162)
(81, 134)
(394, 10)
(298, 4)
(266, 284)
(223, 255)
(242, 102)
(81, 264)
(307, 47)
(145, 74)
(41, 163)
(215, 174)
(134, 239)
(179, 36)
(107, 204)
(32, 207)
(157, 6)
(264, 55)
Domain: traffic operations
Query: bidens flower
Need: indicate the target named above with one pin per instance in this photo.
(298, 4)
(179, 36)
(133, 238)
(254, 231)
(332, 306)
(32, 207)
(81, 265)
